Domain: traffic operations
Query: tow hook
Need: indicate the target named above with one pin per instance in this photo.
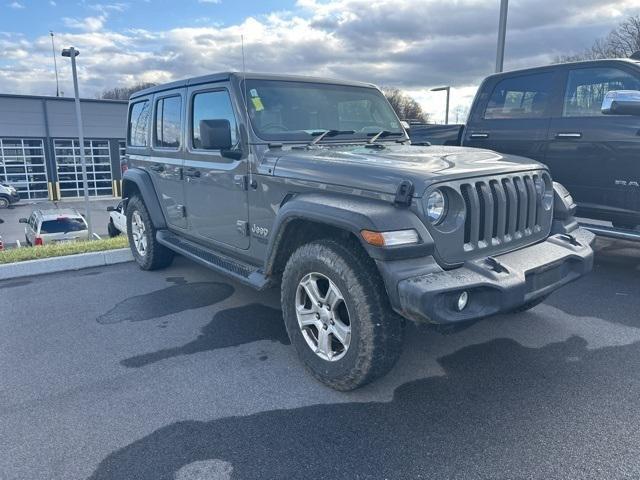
(495, 265)
(570, 239)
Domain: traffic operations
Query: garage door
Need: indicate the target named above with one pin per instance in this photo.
(22, 165)
(69, 168)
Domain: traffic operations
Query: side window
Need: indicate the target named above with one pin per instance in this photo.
(139, 114)
(212, 106)
(168, 113)
(586, 88)
(525, 96)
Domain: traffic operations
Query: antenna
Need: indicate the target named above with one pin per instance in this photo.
(246, 110)
(55, 63)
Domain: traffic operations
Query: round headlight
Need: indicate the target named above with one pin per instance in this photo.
(436, 206)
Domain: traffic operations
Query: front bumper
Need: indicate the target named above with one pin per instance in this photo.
(498, 284)
(14, 198)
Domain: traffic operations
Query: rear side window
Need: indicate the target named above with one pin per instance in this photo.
(138, 128)
(212, 106)
(168, 113)
(63, 225)
(586, 88)
(526, 96)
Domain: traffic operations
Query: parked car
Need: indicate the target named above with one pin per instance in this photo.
(52, 226)
(581, 119)
(117, 220)
(8, 195)
(311, 184)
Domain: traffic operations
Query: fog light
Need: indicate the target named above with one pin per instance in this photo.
(463, 300)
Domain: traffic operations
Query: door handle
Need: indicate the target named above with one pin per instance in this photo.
(479, 135)
(569, 135)
(157, 167)
(192, 172)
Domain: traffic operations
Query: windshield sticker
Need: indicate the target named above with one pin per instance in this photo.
(256, 100)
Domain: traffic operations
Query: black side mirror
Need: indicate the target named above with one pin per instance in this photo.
(23, 220)
(111, 209)
(215, 134)
(1, 220)
(621, 102)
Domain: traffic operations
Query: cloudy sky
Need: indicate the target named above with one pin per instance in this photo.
(411, 44)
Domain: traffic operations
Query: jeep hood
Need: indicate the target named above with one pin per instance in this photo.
(382, 170)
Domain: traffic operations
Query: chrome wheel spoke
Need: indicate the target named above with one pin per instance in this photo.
(342, 333)
(323, 317)
(324, 343)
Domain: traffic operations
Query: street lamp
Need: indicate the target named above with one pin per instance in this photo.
(73, 53)
(448, 90)
(502, 33)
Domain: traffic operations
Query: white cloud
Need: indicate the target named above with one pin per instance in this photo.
(15, 5)
(52, 3)
(410, 44)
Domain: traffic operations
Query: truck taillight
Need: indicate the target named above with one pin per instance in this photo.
(123, 167)
(38, 241)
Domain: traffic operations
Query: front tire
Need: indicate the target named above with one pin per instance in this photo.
(338, 315)
(4, 202)
(112, 230)
(147, 252)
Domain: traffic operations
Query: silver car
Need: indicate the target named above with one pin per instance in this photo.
(51, 226)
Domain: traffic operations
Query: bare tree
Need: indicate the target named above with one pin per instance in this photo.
(406, 108)
(622, 42)
(123, 93)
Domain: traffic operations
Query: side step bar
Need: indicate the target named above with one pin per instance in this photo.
(610, 232)
(243, 272)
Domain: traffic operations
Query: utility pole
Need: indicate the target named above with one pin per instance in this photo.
(55, 63)
(73, 53)
(446, 112)
(502, 32)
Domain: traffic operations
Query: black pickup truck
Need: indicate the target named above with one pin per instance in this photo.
(581, 119)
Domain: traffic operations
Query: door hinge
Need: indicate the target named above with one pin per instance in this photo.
(240, 181)
(404, 194)
(182, 209)
(243, 227)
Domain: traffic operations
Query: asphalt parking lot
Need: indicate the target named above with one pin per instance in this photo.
(12, 230)
(115, 373)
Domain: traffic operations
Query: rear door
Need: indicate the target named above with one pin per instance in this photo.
(215, 186)
(513, 115)
(596, 156)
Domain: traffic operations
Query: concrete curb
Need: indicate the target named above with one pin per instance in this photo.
(61, 264)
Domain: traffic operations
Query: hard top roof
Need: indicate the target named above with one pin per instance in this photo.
(583, 63)
(219, 77)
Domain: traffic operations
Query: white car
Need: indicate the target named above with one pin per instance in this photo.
(117, 220)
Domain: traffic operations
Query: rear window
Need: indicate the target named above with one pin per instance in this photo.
(526, 96)
(63, 225)
(137, 133)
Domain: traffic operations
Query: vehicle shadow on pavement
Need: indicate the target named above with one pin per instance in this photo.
(174, 299)
(615, 279)
(231, 327)
(501, 410)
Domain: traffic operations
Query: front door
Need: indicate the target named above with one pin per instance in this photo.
(596, 156)
(515, 118)
(215, 185)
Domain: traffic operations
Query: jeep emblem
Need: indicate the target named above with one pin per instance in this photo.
(259, 231)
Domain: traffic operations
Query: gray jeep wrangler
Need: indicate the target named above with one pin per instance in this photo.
(313, 185)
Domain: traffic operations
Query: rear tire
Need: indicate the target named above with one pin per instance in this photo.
(362, 309)
(112, 230)
(147, 252)
(4, 202)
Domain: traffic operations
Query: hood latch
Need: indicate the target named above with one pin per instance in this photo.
(404, 193)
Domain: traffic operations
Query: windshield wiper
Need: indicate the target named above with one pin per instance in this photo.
(381, 134)
(328, 133)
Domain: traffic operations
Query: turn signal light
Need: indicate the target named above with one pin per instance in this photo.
(390, 239)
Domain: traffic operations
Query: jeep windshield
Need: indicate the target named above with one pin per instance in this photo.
(301, 111)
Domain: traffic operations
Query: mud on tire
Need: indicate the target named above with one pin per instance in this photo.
(375, 330)
(147, 252)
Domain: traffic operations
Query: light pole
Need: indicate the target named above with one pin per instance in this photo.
(73, 53)
(502, 32)
(448, 90)
(55, 63)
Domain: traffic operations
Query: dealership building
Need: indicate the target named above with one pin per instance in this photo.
(39, 148)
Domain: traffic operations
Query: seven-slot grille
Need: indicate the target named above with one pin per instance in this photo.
(501, 210)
